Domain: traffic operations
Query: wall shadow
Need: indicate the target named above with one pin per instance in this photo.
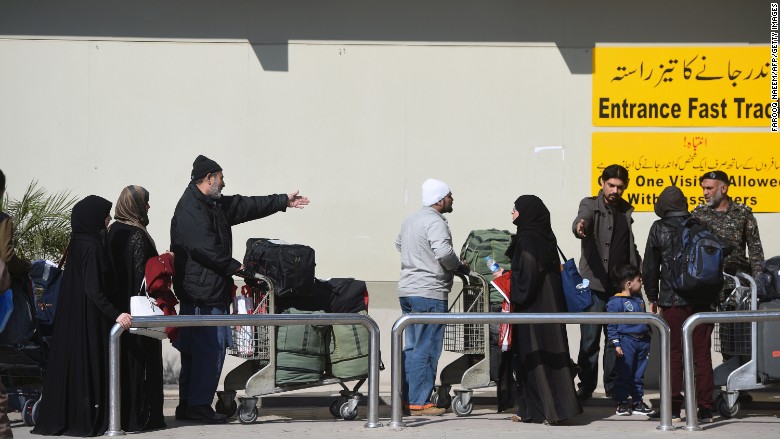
(573, 26)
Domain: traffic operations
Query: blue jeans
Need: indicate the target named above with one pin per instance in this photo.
(588, 359)
(422, 349)
(630, 369)
(202, 356)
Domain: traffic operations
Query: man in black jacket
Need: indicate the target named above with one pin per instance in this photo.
(661, 248)
(202, 241)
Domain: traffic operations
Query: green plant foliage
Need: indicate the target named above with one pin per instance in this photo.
(41, 222)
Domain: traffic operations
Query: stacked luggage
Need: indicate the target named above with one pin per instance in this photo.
(309, 353)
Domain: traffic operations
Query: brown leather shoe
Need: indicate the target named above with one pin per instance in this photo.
(428, 411)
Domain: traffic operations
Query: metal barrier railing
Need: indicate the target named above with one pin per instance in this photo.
(518, 318)
(115, 397)
(692, 421)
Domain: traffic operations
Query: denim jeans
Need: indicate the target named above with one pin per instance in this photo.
(202, 356)
(588, 359)
(422, 349)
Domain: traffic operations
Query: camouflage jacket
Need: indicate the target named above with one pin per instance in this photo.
(737, 227)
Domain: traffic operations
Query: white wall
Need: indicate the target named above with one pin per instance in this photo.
(355, 103)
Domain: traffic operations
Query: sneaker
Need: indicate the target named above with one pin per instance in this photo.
(657, 415)
(622, 409)
(640, 408)
(428, 409)
(704, 415)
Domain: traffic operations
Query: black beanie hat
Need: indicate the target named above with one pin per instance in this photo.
(202, 166)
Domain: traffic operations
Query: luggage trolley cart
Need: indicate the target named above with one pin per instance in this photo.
(472, 369)
(743, 371)
(257, 376)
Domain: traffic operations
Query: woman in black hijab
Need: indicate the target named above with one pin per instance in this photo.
(541, 351)
(75, 391)
(130, 246)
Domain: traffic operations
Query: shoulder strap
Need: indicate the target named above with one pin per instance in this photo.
(561, 253)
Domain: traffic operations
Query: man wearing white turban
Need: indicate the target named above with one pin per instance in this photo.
(427, 264)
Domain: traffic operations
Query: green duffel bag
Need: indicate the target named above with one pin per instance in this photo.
(301, 351)
(349, 351)
(488, 242)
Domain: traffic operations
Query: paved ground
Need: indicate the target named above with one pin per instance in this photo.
(305, 415)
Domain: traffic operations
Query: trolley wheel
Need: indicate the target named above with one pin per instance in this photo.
(459, 409)
(346, 413)
(247, 418)
(228, 410)
(724, 409)
(27, 412)
(335, 408)
(35, 411)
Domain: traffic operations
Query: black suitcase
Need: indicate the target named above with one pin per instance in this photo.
(768, 346)
(290, 266)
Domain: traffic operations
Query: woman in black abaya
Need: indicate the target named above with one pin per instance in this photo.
(130, 246)
(541, 351)
(75, 391)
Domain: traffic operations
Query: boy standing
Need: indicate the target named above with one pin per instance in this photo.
(631, 341)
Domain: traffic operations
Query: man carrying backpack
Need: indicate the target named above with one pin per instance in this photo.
(664, 244)
(203, 244)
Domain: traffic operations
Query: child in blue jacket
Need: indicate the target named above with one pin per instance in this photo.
(632, 342)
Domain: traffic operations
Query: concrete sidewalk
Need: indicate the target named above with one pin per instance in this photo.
(306, 415)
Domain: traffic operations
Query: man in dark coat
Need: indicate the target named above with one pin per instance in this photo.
(202, 241)
(603, 224)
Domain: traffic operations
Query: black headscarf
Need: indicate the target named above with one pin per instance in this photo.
(534, 229)
(88, 219)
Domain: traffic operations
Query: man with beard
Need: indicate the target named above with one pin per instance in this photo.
(427, 263)
(202, 241)
(603, 224)
(736, 227)
(733, 223)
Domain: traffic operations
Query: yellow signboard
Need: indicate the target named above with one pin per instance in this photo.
(682, 86)
(657, 160)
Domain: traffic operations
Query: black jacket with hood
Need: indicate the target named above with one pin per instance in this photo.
(672, 208)
(202, 241)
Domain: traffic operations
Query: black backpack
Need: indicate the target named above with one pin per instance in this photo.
(696, 271)
(290, 266)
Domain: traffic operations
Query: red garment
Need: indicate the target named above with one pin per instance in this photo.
(167, 302)
(502, 284)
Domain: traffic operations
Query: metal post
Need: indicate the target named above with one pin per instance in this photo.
(114, 427)
(517, 318)
(692, 421)
(115, 390)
